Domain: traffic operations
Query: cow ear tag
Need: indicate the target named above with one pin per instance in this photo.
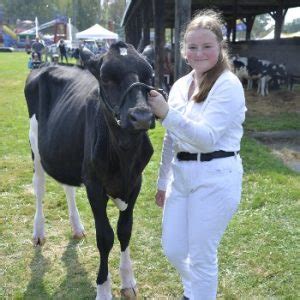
(123, 51)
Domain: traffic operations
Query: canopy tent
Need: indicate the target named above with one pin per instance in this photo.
(97, 32)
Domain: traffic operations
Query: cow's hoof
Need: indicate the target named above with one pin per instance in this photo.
(39, 241)
(129, 293)
(78, 235)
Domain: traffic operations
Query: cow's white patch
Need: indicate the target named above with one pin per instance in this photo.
(38, 182)
(126, 272)
(123, 51)
(104, 290)
(120, 204)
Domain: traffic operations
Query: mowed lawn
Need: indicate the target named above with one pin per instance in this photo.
(257, 257)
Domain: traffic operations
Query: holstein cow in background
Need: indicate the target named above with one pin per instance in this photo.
(90, 127)
(262, 71)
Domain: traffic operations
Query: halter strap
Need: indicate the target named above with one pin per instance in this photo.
(116, 109)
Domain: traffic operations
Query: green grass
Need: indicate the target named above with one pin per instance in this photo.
(290, 121)
(257, 255)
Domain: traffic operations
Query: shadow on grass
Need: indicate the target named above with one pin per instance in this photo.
(76, 284)
(39, 266)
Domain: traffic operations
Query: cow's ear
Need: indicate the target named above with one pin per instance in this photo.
(94, 65)
(91, 61)
(85, 55)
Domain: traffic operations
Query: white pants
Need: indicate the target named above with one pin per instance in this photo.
(200, 201)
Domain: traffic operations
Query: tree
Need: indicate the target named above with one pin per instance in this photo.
(292, 27)
(89, 13)
(84, 13)
(15, 9)
(111, 15)
(261, 26)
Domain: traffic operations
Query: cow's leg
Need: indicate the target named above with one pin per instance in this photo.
(128, 282)
(263, 86)
(249, 84)
(104, 235)
(77, 227)
(267, 87)
(263, 82)
(38, 182)
(258, 86)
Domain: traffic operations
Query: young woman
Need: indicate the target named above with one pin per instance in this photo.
(200, 177)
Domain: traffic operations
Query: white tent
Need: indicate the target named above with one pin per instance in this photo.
(97, 32)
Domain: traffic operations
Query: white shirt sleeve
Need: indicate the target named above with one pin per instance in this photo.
(165, 163)
(224, 104)
(175, 99)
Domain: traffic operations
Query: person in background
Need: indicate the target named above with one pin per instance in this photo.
(55, 58)
(27, 45)
(37, 47)
(52, 51)
(200, 176)
(29, 64)
(102, 49)
(62, 50)
(34, 62)
(75, 54)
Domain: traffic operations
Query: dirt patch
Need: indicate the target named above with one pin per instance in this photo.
(289, 157)
(284, 144)
(276, 102)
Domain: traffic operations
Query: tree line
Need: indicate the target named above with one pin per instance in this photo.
(84, 13)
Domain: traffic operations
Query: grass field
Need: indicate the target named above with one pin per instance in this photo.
(258, 255)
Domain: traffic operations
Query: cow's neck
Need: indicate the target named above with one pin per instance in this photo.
(121, 159)
(125, 141)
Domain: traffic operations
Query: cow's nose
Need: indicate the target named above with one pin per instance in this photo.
(140, 118)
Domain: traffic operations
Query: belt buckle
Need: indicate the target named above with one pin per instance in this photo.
(198, 156)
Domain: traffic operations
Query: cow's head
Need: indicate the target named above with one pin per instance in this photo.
(124, 77)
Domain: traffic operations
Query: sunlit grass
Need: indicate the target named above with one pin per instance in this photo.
(258, 255)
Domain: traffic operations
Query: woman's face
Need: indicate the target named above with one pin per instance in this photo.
(202, 50)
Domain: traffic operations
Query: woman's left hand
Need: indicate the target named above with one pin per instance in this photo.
(158, 104)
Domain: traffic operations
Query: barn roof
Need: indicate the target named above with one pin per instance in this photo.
(142, 15)
(230, 8)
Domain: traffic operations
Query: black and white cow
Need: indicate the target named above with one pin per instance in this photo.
(263, 71)
(90, 127)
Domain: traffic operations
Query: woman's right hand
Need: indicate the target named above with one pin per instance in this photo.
(160, 198)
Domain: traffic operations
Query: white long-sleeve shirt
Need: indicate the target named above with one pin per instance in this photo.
(212, 125)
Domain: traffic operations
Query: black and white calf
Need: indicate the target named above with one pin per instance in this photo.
(90, 127)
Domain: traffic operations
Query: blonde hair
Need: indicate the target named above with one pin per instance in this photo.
(211, 20)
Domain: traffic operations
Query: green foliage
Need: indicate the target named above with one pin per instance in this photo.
(293, 26)
(87, 13)
(111, 15)
(257, 257)
(43, 9)
(83, 12)
(260, 27)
